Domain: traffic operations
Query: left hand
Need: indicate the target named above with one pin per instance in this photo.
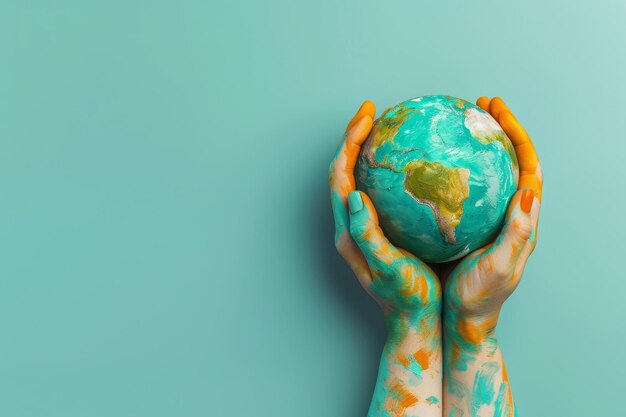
(402, 284)
(483, 280)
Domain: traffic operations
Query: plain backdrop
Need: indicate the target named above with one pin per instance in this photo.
(166, 238)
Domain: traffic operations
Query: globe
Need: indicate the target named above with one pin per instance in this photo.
(440, 172)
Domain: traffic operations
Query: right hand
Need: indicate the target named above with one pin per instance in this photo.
(484, 279)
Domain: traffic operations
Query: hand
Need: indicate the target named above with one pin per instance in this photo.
(483, 280)
(409, 379)
(396, 279)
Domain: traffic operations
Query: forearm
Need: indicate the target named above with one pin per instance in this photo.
(409, 379)
(475, 378)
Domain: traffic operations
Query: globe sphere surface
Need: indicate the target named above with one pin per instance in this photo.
(440, 172)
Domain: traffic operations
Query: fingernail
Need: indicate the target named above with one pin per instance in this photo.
(526, 202)
(355, 202)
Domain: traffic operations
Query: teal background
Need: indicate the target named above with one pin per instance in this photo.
(166, 234)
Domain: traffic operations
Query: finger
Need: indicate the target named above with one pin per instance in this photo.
(366, 232)
(497, 106)
(534, 216)
(483, 103)
(396, 274)
(499, 260)
(367, 109)
(341, 183)
(344, 243)
(342, 167)
(530, 169)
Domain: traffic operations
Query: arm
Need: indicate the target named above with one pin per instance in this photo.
(409, 380)
(475, 378)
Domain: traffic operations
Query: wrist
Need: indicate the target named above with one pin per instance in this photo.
(468, 328)
(423, 323)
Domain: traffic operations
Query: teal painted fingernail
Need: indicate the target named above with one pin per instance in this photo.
(355, 202)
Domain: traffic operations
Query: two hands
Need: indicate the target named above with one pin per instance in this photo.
(419, 374)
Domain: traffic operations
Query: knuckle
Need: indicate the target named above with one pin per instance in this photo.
(356, 231)
(522, 228)
(341, 243)
(495, 267)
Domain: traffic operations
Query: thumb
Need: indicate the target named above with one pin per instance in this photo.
(366, 232)
(500, 258)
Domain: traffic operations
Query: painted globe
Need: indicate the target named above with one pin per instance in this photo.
(440, 172)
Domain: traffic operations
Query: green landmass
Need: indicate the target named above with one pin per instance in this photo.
(385, 130)
(441, 188)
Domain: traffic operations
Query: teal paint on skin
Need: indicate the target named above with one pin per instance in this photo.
(382, 390)
(415, 369)
(410, 296)
(483, 390)
(433, 400)
(377, 406)
(456, 412)
(341, 216)
(457, 388)
(501, 408)
(467, 350)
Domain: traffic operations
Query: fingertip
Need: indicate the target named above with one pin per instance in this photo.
(497, 106)
(510, 125)
(367, 202)
(355, 202)
(532, 182)
(367, 109)
(360, 130)
(483, 103)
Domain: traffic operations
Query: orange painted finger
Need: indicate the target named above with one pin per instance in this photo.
(355, 138)
(530, 171)
(367, 109)
(342, 168)
(531, 181)
(483, 103)
(497, 106)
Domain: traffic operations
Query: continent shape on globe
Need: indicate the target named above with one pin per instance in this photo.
(440, 172)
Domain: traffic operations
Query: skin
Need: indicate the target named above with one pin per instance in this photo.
(419, 375)
(409, 381)
(475, 378)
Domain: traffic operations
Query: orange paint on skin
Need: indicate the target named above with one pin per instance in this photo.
(404, 361)
(531, 181)
(423, 358)
(399, 399)
(367, 109)
(497, 106)
(415, 284)
(407, 273)
(422, 285)
(475, 333)
(484, 293)
(426, 329)
(456, 353)
(385, 254)
(530, 173)
(483, 103)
